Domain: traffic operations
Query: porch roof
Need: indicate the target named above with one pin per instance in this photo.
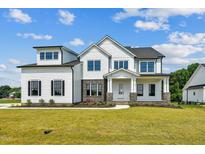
(121, 69)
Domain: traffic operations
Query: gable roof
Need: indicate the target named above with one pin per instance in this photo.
(145, 52)
(196, 86)
(67, 64)
(195, 72)
(57, 46)
(121, 69)
(114, 41)
(94, 45)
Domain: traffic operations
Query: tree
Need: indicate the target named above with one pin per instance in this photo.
(4, 91)
(178, 79)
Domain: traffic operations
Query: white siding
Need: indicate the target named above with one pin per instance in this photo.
(94, 54)
(146, 97)
(198, 97)
(117, 53)
(67, 57)
(48, 62)
(158, 65)
(77, 82)
(46, 74)
(196, 79)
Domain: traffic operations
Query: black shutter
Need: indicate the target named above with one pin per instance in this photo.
(39, 88)
(51, 87)
(63, 84)
(29, 85)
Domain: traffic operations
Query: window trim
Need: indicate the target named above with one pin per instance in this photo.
(45, 59)
(123, 63)
(38, 88)
(142, 90)
(94, 70)
(154, 89)
(90, 89)
(61, 87)
(147, 61)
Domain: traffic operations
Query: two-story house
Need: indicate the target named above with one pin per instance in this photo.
(105, 71)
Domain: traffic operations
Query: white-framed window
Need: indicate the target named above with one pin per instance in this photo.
(140, 89)
(46, 55)
(93, 65)
(147, 66)
(57, 88)
(152, 89)
(120, 64)
(94, 89)
(34, 88)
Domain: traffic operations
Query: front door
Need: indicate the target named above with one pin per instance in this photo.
(121, 90)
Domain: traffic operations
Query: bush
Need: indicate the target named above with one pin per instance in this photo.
(51, 102)
(42, 102)
(28, 102)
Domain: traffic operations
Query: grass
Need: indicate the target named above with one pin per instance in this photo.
(137, 125)
(4, 100)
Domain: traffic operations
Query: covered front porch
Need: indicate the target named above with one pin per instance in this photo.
(125, 85)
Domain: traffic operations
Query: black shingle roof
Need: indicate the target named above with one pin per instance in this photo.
(145, 52)
(196, 86)
(68, 64)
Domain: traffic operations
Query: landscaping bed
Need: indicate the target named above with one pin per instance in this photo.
(166, 105)
(56, 105)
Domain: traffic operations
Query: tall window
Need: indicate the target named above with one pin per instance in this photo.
(94, 89)
(42, 55)
(147, 67)
(55, 55)
(120, 64)
(139, 89)
(57, 87)
(151, 89)
(34, 88)
(94, 65)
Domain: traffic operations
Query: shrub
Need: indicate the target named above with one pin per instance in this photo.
(29, 103)
(51, 102)
(42, 102)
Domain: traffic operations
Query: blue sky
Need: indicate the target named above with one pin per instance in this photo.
(177, 33)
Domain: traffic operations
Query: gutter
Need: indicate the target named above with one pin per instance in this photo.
(72, 84)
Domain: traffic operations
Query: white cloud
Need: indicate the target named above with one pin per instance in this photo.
(19, 16)
(183, 61)
(3, 67)
(35, 36)
(77, 42)
(14, 61)
(151, 25)
(157, 17)
(66, 17)
(187, 38)
(159, 13)
(177, 50)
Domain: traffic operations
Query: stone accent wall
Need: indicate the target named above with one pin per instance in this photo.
(109, 96)
(133, 97)
(166, 97)
(86, 98)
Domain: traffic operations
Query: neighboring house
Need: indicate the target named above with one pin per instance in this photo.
(194, 89)
(105, 71)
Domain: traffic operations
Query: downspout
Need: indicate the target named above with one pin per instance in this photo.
(72, 84)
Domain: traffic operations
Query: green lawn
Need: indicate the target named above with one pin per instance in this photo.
(138, 125)
(9, 101)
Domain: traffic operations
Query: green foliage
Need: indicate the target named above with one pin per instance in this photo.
(51, 102)
(42, 102)
(178, 79)
(28, 102)
(6, 90)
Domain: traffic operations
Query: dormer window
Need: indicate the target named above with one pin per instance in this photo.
(48, 55)
(147, 67)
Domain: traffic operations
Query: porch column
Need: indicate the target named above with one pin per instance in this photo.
(166, 94)
(109, 90)
(133, 93)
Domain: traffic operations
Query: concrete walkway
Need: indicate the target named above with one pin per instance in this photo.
(117, 107)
